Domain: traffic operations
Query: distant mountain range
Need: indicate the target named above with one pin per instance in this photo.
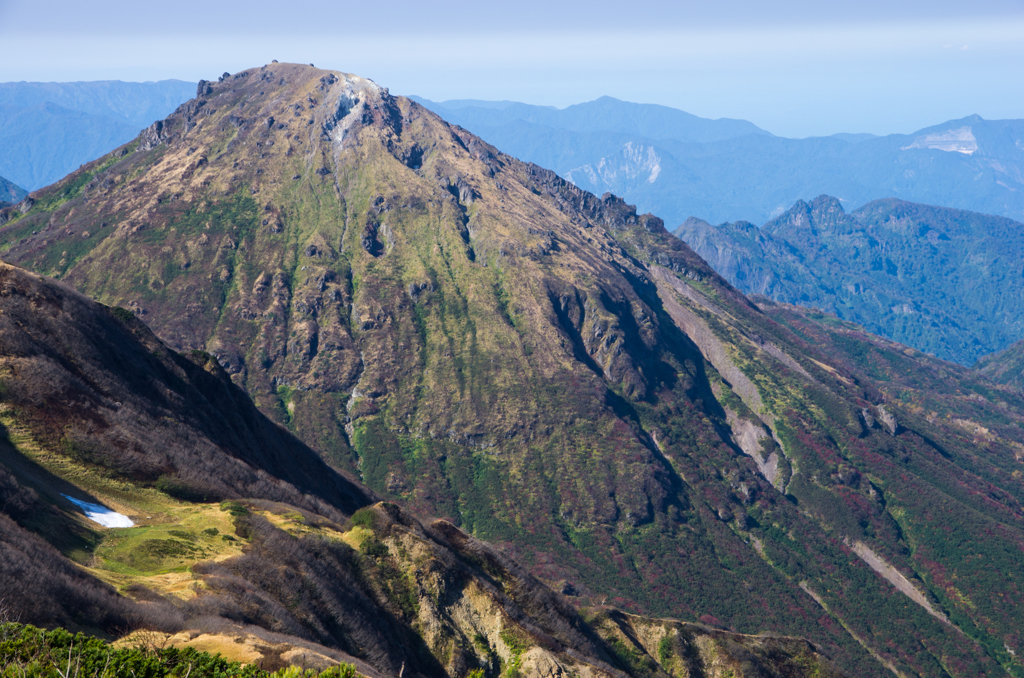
(676, 164)
(601, 115)
(50, 129)
(945, 281)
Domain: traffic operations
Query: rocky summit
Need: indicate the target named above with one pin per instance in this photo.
(483, 342)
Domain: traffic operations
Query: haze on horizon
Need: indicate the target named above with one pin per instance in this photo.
(796, 69)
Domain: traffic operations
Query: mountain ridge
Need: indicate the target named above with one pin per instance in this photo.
(1006, 366)
(604, 114)
(10, 193)
(136, 103)
(49, 129)
(481, 340)
(938, 279)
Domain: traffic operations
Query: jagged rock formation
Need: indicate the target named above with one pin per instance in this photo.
(485, 342)
(944, 281)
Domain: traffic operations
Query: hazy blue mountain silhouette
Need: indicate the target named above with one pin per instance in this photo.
(49, 129)
(10, 192)
(944, 281)
(729, 170)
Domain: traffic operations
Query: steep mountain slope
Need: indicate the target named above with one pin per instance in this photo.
(94, 406)
(1006, 366)
(10, 193)
(50, 129)
(735, 173)
(944, 281)
(488, 343)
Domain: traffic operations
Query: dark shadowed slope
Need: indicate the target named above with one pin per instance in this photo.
(77, 377)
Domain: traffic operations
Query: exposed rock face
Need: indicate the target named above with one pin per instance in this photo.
(888, 419)
(93, 402)
(634, 162)
(152, 136)
(485, 342)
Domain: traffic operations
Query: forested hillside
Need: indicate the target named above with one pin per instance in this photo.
(947, 282)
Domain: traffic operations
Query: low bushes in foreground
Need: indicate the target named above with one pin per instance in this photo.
(30, 652)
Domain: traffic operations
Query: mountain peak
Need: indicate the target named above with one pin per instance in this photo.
(828, 210)
(695, 222)
(485, 342)
(804, 219)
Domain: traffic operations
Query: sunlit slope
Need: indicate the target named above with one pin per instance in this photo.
(1006, 366)
(485, 342)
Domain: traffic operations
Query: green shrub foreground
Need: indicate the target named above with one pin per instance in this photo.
(29, 652)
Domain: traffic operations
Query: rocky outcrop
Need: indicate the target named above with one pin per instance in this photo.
(152, 136)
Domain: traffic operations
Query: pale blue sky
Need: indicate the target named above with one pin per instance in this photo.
(795, 68)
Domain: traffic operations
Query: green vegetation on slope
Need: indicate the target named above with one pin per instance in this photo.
(29, 652)
(276, 578)
(485, 342)
(1006, 366)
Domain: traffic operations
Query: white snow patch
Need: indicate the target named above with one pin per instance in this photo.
(655, 171)
(101, 514)
(634, 161)
(959, 140)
